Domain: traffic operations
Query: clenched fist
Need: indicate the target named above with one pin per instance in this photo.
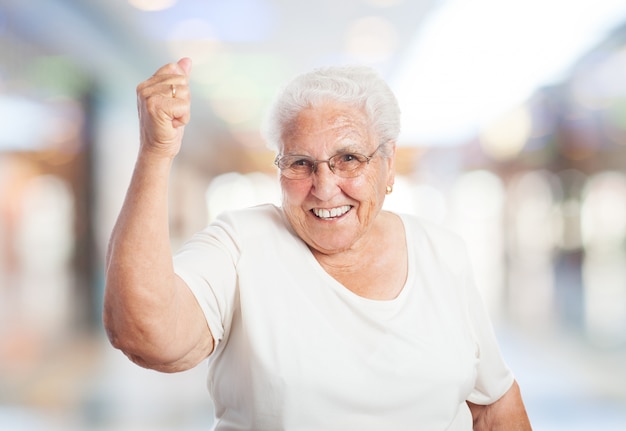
(163, 102)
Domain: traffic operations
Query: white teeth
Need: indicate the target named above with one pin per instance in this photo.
(331, 213)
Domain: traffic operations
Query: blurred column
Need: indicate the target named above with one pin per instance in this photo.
(478, 198)
(531, 222)
(604, 267)
(569, 290)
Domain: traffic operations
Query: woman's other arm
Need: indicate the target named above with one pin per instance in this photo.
(506, 414)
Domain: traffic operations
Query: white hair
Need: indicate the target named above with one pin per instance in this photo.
(357, 86)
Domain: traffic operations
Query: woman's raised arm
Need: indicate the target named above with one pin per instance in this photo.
(149, 312)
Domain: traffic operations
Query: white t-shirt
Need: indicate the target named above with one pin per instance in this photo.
(296, 350)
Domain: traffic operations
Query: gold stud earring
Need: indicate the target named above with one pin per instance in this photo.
(389, 189)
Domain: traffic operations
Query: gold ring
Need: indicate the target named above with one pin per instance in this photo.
(173, 91)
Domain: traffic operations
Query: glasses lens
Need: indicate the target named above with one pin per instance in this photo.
(296, 166)
(348, 165)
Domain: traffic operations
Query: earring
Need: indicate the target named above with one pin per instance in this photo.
(389, 189)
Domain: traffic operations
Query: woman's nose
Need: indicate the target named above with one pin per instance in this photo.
(325, 182)
(322, 162)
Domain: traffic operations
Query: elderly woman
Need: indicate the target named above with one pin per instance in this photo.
(327, 313)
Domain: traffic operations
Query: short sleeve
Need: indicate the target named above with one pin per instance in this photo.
(493, 378)
(207, 263)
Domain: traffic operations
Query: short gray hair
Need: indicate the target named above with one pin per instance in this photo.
(358, 86)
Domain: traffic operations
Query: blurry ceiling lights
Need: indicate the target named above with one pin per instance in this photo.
(384, 3)
(152, 5)
(193, 38)
(371, 39)
(233, 21)
(603, 82)
(472, 60)
(504, 138)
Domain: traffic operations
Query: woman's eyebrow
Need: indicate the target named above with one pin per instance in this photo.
(348, 149)
(351, 144)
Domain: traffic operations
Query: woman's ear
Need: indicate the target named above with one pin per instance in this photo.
(391, 163)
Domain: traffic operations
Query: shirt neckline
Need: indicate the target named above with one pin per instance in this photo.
(347, 293)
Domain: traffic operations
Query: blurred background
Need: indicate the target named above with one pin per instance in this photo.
(514, 135)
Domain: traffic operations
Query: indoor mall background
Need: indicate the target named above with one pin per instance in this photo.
(514, 135)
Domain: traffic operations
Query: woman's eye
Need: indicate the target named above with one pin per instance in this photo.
(347, 158)
(301, 163)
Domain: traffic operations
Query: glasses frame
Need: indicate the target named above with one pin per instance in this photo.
(329, 162)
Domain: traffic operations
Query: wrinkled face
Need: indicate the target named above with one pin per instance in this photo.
(330, 213)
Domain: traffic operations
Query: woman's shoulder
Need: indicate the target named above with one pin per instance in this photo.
(263, 213)
(264, 219)
(435, 238)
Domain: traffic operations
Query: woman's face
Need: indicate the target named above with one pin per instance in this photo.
(330, 213)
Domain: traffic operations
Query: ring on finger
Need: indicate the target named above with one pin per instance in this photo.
(173, 87)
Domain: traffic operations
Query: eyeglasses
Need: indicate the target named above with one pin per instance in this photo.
(345, 165)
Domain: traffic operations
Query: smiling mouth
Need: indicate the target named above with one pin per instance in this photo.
(332, 213)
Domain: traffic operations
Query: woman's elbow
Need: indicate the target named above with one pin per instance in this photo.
(125, 337)
(153, 351)
(137, 353)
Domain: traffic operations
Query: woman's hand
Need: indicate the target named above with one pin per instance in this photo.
(163, 102)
